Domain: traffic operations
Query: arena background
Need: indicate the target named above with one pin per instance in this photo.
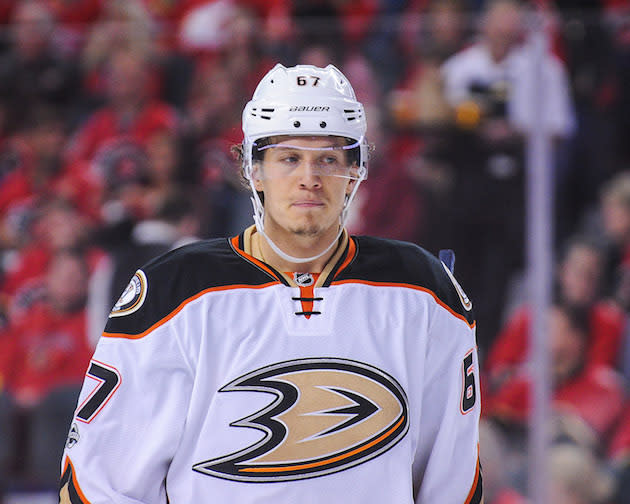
(500, 131)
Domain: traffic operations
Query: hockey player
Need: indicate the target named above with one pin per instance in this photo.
(291, 363)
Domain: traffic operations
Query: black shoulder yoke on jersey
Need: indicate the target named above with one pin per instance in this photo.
(179, 275)
(183, 273)
(389, 261)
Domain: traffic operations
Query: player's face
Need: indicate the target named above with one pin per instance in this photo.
(305, 181)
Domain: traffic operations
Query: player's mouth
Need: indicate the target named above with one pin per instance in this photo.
(307, 204)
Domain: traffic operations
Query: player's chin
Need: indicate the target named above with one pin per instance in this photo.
(307, 228)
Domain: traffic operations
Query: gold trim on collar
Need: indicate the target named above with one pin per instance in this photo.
(251, 246)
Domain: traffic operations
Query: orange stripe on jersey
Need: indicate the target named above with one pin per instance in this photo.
(475, 496)
(409, 286)
(181, 306)
(352, 250)
(70, 486)
(252, 259)
(307, 303)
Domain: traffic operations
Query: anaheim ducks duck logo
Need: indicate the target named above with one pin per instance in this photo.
(328, 415)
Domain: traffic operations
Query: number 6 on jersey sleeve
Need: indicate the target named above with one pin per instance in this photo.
(108, 379)
(469, 392)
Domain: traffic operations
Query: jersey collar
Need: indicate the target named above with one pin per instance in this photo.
(247, 246)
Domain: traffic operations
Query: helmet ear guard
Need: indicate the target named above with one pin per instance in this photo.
(303, 101)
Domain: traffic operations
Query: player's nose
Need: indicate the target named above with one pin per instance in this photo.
(310, 174)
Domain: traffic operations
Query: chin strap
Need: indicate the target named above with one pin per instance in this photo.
(288, 257)
(259, 215)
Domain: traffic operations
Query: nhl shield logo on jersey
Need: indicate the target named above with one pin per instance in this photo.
(132, 297)
(328, 416)
(303, 279)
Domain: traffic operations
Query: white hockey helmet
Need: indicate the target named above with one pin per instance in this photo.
(304, 100)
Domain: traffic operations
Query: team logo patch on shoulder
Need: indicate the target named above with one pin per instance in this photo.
(132, 297)
(466, 303)
(328, 416)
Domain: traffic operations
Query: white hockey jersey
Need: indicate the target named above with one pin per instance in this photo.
(221, 380)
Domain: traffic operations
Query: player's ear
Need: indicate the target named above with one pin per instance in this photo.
(257, 176)
(354, 175)
(350, 186)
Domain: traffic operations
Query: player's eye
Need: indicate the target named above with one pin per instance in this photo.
(331, 163)
(290, 159)
(330, 160)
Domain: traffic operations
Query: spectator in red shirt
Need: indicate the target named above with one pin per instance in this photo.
(57, 227)
(587, 399)
(36, 174)
(130, 113)
(34, 170)
(44, 359)
(579, 279)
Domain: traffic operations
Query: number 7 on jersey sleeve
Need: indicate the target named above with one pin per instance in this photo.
(108, 380)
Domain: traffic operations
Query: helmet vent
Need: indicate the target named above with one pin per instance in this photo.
(352, 114)
(268, 111)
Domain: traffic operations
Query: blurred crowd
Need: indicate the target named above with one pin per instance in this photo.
(116, 122)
